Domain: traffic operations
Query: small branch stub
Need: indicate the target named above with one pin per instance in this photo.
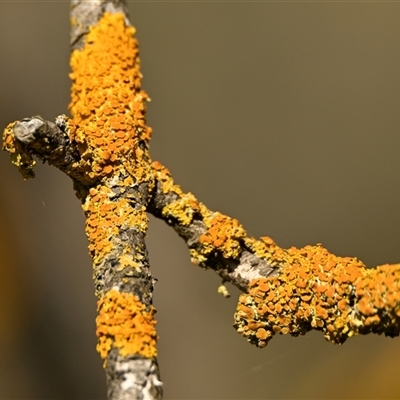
(20, 156)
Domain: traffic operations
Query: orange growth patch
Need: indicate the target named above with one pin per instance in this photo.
(124, 323)
(341, 300)
(223, 234)
(106, 94)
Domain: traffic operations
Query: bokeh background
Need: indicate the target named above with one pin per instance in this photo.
(284, 115)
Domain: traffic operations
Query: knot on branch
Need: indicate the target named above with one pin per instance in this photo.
(29, 129)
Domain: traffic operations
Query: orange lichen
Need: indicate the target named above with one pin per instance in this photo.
(124, 323)
(108, 109)
(105, 216)
(165, 178)
(109, 159)
(223, 234)
(107, 103)
(316, 289)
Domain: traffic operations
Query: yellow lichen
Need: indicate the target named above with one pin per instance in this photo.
(224, 235)
(182, 209)
(124, 323)
(165, 178)
(222, 289)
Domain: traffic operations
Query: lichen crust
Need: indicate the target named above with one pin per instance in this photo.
(106, 215)
(109, 128)
(123, 322)
(223, 235)
(318, 290)
(107, 102)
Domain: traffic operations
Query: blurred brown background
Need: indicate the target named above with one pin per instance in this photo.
(283, 115)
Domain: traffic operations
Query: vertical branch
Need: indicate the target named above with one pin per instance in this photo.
(104, 149)
(108, 110)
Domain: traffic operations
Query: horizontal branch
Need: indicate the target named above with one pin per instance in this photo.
(50, 142)
(318, 290)
(286, 291)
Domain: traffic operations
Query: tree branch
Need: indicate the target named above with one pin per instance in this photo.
(104, 148)
(287, 291)
(50, 142)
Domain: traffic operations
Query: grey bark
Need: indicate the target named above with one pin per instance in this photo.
(86, 13)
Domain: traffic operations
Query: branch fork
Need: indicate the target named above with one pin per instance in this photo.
(104, 148)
